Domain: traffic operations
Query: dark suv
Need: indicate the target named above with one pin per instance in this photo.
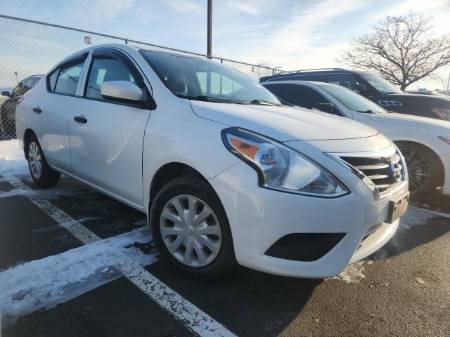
(374, 88)
(8, 107)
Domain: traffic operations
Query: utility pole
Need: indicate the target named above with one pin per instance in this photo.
(209, 31)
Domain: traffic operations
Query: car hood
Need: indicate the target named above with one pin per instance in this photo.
(430, 99)
(403, 120)
(283, 123)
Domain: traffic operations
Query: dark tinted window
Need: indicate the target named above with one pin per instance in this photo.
(348, 81)
(18, 89)
(68, 79)
(105, 70)
(311, 77)
(28, 83)
(297, 94)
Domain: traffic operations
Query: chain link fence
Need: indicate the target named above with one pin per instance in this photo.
(29, 48)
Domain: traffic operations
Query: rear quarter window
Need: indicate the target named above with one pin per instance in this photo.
(67, 80)
(51, 80)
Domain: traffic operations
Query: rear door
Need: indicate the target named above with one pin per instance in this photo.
(53, 111)
(106, 136)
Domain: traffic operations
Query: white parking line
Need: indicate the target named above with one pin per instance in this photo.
(183, 310)
(42, 284)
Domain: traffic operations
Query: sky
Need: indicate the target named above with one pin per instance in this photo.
(291, 34)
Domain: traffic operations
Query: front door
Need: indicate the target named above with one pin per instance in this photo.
(106, 137)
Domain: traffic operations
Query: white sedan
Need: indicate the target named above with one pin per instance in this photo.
(224, 172)
(425, 142)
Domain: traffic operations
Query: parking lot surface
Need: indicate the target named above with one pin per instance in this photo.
(74, 262)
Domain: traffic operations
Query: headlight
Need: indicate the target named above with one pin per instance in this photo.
(280, 167)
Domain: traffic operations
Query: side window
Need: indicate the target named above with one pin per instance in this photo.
(310, 77)
(27, 84)
(52, 80)
(348, 81)
(68, 79)
(34, 81)
(18, 89)
(104, 70)
(298, 95)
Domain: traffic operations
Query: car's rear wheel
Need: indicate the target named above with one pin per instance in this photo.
(41, 173)
(191, 230)
(424, 169)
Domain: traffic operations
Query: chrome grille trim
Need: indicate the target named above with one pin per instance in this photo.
(382, 171)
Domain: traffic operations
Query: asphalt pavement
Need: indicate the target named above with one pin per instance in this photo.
(74, 262)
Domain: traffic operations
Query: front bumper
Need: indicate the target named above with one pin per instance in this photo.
(260, 217)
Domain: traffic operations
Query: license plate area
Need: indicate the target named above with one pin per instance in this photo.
(397, 208)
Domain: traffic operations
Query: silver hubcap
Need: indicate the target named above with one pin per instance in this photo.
(190, 230)
(35, 160)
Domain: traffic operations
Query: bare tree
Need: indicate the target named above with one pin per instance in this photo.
(401, 49)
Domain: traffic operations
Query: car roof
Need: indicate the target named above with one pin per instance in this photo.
(123, 47)
(319, 71)
(299, 82)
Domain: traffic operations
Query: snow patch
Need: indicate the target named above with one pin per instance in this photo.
(45, 283)
(12, 159)
(16, 192)
(354, 272)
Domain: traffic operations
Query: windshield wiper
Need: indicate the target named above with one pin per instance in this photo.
(369, 111)
(262, 102)
(207, 99)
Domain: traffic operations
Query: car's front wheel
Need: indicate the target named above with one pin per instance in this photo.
(424, 169)
(191, 230)
(43, 175)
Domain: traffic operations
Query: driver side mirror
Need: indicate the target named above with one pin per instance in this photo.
(326, 107)
(122, 91)
(6, 93)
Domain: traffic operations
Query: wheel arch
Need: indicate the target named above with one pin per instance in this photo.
(430, 150)
(170, 171)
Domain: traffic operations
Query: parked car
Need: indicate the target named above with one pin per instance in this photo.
(424, 142)
(8, 107)
(224, 172)
(376, 89)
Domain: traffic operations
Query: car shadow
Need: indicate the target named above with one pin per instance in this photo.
(247, 302)
(436, 202)
(417, 227)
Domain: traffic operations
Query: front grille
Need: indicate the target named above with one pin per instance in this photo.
(384, 172)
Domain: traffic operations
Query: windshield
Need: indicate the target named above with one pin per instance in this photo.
(202, 79)
(351, 100)
(380, 84)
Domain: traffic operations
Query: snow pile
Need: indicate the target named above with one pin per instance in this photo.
(45, 283)
(12, 159)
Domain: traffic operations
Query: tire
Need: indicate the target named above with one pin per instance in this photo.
(219, 251)
(424, 169)
(43, 175)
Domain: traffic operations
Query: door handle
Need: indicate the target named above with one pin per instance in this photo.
(37, 109)
(80, 119)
